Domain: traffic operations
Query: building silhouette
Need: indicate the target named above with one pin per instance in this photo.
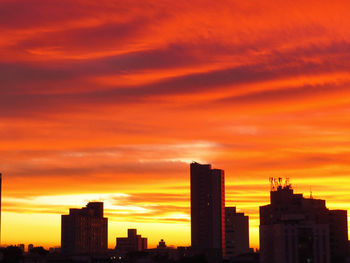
(208, 211)
(21, 247)
(161, 244)
(84, 231)
(237, 232)
(131, 243)
(294, 229)
(30, 247)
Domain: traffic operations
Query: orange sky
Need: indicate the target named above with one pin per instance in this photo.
(111, 100)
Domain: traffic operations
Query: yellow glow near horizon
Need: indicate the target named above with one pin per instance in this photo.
(42, 228)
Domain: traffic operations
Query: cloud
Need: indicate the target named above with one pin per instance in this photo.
(133, 207)
(288, 94)
(155, 198)
(25, 99)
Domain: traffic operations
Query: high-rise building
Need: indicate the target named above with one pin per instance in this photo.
(295, 229)
(237, 232)
(131, 243)
(208, 210)
(84, 230)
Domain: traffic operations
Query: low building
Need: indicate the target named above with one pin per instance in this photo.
(131, 243)
(237, 232)
(84, 231)
(161, 244)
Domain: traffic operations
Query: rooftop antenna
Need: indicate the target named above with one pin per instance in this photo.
(272, 187)
(280, 181)
(311, 197)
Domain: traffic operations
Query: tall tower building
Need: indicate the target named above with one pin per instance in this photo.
(295, 229)
(84, 231)
(237, 232)
(208, 211)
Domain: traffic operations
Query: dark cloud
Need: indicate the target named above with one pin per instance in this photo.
(36, 14)
(286, 94)
(276, 68)
(121, 170)
(42, 77)
(99, 38)
(24, 14)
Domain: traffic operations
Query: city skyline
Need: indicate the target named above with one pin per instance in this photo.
(273, 184)
(111, 100)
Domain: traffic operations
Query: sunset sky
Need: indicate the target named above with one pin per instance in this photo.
(111, 100)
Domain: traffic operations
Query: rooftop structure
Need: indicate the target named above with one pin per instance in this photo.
(298, 229)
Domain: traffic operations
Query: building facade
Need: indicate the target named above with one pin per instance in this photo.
(131, 243)
(208, 210)
(237, 232)
(84, 231)
(294, 229)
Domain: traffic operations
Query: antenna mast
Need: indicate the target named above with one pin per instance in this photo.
(311, 197)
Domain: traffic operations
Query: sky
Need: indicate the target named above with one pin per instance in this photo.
(111, 100)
